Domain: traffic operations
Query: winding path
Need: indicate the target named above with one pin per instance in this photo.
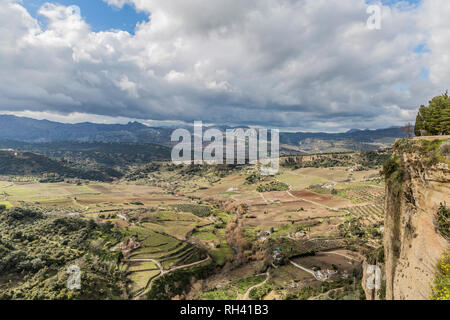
(162, 271)
(247, 293)
(341, 254)
(305, 269)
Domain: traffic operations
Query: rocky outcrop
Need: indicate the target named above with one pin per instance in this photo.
(413, 245)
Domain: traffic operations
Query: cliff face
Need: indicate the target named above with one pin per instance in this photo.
(413, 246)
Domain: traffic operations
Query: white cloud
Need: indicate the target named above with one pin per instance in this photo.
(437, 28)
(296, 63)
(117, 3)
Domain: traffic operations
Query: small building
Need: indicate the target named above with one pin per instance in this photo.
(264, 235)
(300, 234)
(277, 256)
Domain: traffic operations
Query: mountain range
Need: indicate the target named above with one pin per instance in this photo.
(42, 131)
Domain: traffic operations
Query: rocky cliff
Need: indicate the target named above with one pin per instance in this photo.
(417, 183)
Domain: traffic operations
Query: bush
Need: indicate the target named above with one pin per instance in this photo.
(441, 287)
(445, 149)
(390, 166)
(253, 178)
(443, 221)
(260, 292)
(23, 215)
(272, 186)
(196, 209)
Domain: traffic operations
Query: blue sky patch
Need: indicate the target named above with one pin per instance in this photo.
(421, 49)
(98, 14)
(394, 2)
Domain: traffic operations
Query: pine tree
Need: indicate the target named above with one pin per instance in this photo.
(434, 119)
(420, 121)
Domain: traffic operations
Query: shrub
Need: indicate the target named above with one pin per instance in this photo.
(23, 215)
(253, 178)
(391, 166)
(196, 209)
(441, 285)
(260, 292)
(443, 221)
(272, 186)
(445, 149)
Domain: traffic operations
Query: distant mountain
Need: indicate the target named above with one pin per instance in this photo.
(357, 135)
(40, 131)
(353, 130)
(31, 130)
(319, 142)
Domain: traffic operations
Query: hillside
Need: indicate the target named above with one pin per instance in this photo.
(31, 130)
(36, 250)
(106, 153)
(353, 140)
(416, 228)
(19, 163)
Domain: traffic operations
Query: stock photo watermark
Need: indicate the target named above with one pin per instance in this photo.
(74, 280)
(374, 20)
(373, 281)
(235, 146)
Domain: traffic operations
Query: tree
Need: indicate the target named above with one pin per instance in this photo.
(434, 119)
(408, 129)
(419, 128)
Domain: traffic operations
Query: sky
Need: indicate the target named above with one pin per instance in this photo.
(98, 14)
(307, 65)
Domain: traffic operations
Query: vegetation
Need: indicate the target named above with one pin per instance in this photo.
(176, 283)
(196, 209)
(334, 290)
(373, 159)
(38, 249)
(375, 256)
(245, 283)
(260, 292)
(434, 119)
(445, 149)
(441, 285)
(443, 221)
(392, 169)
(319, 161)
(254, 178)
(272, 186)
(431, 151)
(108, 154)
(149, 212)
(363, 159)
(32, 164)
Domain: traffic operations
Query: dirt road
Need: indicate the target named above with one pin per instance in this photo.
(162, 271)
(247, 293)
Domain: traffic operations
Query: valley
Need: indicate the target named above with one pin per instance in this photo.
(223, 232)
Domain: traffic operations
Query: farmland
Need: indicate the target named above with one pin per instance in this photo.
(205, 232)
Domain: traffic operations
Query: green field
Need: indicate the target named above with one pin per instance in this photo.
(7, 204)
(299, 181)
